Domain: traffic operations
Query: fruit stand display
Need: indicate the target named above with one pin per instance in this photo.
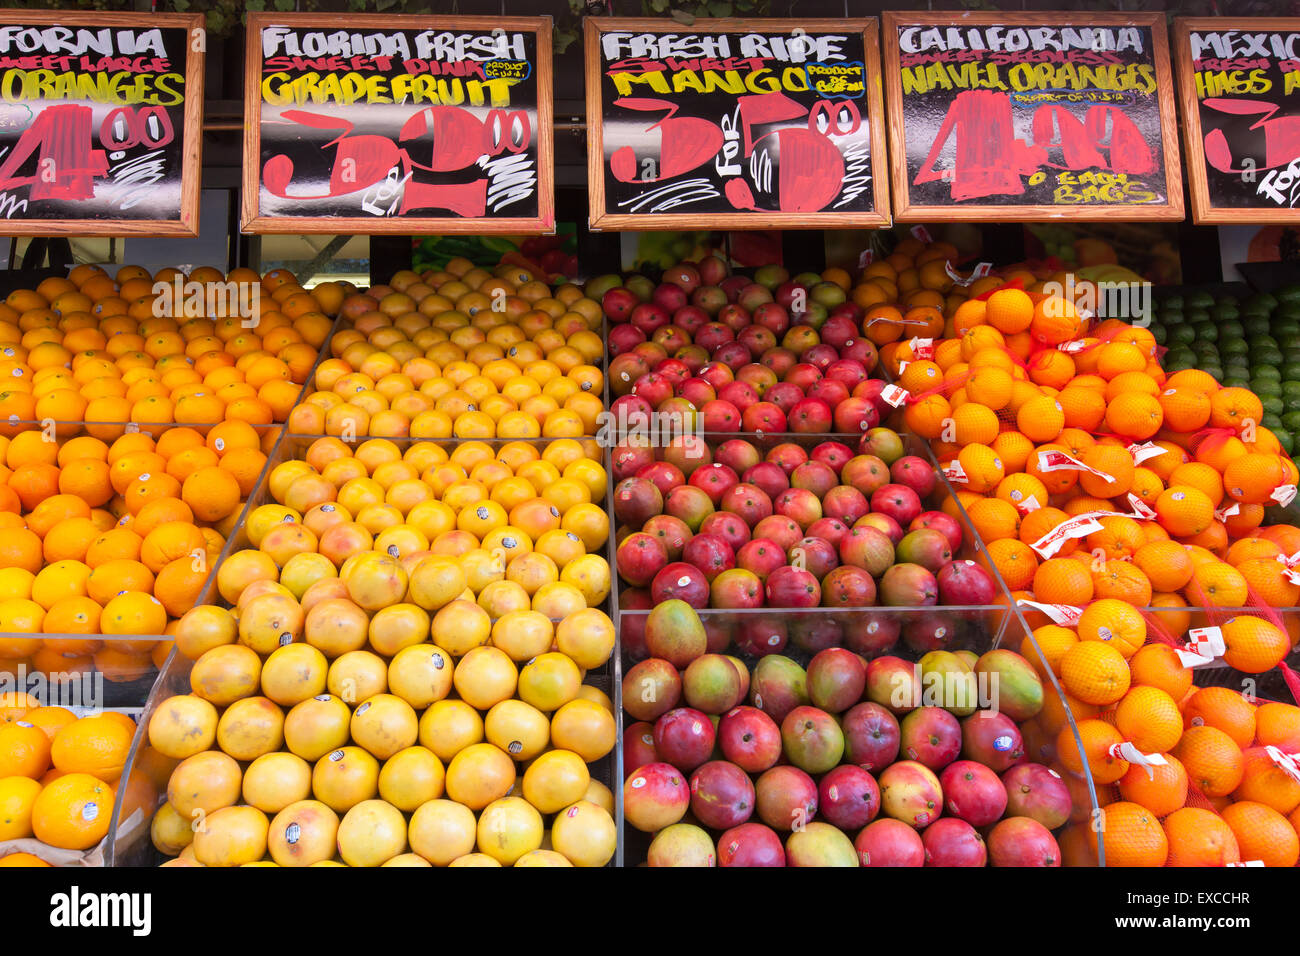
(961, 493)
(816, 556)
(1149, 552)
(1032, 422)
(477, 709)
(781, 549)
(496, 547)
(533, 369)
(912, 563)
(133, 443)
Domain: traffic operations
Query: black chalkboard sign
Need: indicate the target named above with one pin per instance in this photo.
(734, 124)
(100, 117)
(1031, 116)
(398, 124)
(1239, 80)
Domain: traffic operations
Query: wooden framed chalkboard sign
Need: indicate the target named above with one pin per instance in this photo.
(397, 124)
(101, 119)
(1239, 82)
(1031, 116)
(734, 124)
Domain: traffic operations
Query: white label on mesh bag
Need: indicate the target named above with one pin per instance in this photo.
(1227, 511)
(1284, 494)
(1288, 763)
(1189, 659)
(1028, 505)
(1127, 751)
(902, 364)
(1247, 863)
(893, 395)
(921, 234)
(866, 257)
(1079, 526)
(921, 348)
(979, 272)
(1052, 460)
(1078, 345)
(1204, 646)
(953, 471)
(1145, 451)
(1140, 508)
(1064, 615)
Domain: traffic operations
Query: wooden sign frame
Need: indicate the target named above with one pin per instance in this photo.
(906, 211)
(251, 219)
(601, 218)
(187, 224)
(1203, 210)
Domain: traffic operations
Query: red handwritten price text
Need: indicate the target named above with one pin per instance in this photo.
(990, 159)
(1281, 134)
(811, 169)
(61, 139)
(453, 139)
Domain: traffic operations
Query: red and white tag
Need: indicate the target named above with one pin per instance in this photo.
(921, 348)
(1080, 526)
(1052, 460)
(1284, 494)
(953, 471)
(893, 395)
(1078, 345)
(1028, 505)
(902, 364)
(1145, 451)
(1205, 645)
(979, 272)
(1126, 751)
(1247, 863)
(866, 257)
(1140, 508)
(1227, 511)
(1288, 763)
(1290, 567)
(1065, 615)
(922, 234)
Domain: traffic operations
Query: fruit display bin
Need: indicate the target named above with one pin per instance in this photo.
(349, 325)
(110, 678)
(129, 841)
(905, 632)
(117, 683)
(71, 427)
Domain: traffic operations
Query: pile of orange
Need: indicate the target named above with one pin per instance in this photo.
(1033, 436)
(1217, 798)
(464, 353)
(114, 540)
(905, 292)
(1041, 418)
(60, 774)
(107, 349)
